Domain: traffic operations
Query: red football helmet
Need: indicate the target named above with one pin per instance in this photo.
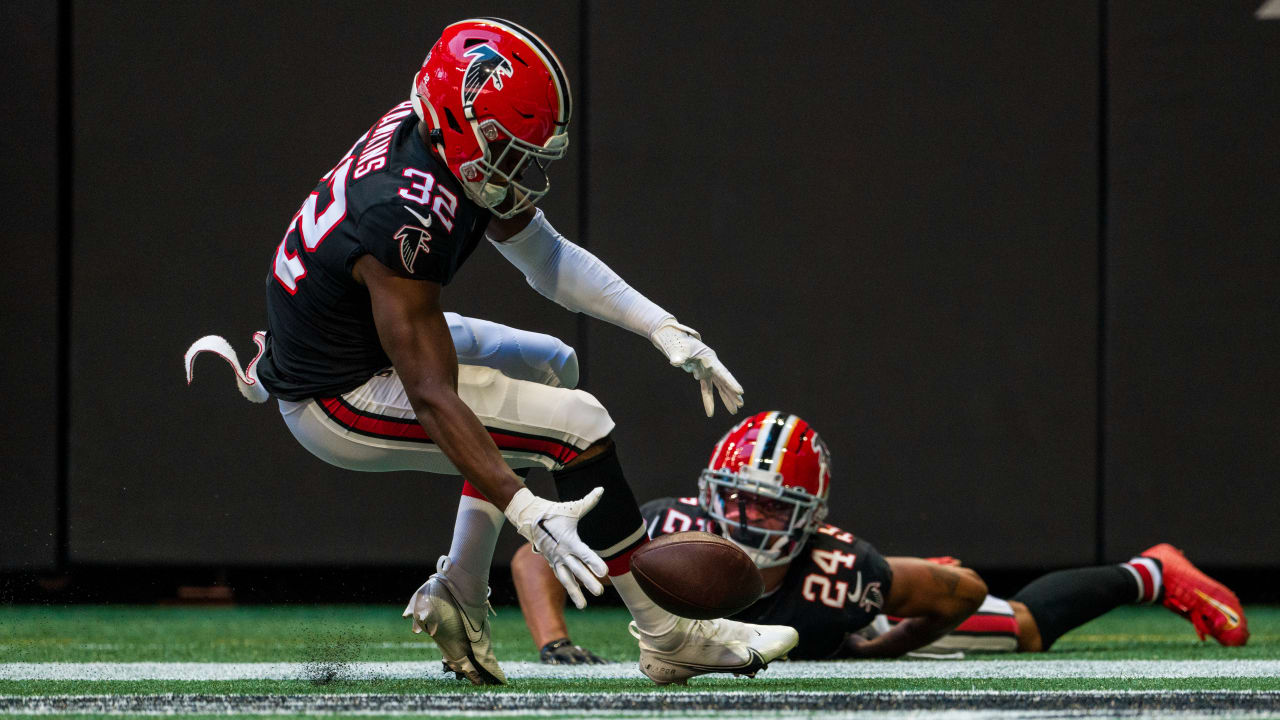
(767, 486)
(496, 103)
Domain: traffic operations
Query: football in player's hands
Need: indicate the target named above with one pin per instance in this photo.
(697, 575)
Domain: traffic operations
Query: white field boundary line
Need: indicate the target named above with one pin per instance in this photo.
(898, 669)
(724, 704)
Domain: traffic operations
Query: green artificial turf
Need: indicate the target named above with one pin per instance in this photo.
(264, 634)
(339, 634)
(310, 633)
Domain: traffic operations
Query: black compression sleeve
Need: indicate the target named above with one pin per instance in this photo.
(1064, 600)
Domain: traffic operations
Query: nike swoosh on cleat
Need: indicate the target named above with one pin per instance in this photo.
(755, 662)
(473, 632)
(1233, 620)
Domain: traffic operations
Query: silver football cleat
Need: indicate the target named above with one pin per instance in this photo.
(461, 632)
(714, 646)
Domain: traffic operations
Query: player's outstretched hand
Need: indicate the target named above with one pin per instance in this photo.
(564, 652)
(683, 346)
(552, 529)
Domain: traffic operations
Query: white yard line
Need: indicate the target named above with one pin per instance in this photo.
(923, 669)
(724, 705)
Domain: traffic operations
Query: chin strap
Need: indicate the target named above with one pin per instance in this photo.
(246, 379)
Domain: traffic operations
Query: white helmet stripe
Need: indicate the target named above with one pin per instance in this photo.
(768, 426)
(548, 58)
(784, 438)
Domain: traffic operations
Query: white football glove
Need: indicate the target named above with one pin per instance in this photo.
(552, 529)
(683, 346)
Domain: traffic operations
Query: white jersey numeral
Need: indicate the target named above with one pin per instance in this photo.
(289, 269)
(831, 560)
(818, 588)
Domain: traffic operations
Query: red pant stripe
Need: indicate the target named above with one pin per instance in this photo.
(408, 429)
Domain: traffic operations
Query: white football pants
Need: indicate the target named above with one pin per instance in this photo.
(517, 382)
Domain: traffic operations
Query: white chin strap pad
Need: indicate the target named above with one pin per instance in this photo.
(246, 379)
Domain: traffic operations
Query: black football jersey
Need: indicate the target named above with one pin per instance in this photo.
(390, 197)
(835, 585)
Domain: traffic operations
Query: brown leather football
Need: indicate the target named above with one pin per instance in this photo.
(697, 575)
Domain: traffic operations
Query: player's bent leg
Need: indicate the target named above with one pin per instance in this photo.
(672, 649)
(1066, 599)
(1028, 632)
(374, 429)
(518, 354)
(453, 604)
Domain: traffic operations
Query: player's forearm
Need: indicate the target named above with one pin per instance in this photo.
(541, 597)
(577, 280)
(417, 338)
(910, 634)
(453, 427)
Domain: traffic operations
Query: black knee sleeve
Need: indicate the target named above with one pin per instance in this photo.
(616, 517)
(1067, 599)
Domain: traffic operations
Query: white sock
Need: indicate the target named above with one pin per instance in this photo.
(475, 535)
(655, 623)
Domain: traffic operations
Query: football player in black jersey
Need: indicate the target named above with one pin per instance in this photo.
(362, 361)
(766, 489)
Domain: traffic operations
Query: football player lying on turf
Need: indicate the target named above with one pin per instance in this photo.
(359, 353)
(766, 489)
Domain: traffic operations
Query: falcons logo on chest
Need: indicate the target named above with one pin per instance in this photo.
(413, 240)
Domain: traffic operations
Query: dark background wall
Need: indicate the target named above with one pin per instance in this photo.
(1193, 281)
(890, 231)
(192, 144)
(1003, 256)
(29, 369)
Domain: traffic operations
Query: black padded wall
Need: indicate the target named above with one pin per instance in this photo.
(884, 219)
(198, 134)
(29, 295)
(1193, 250)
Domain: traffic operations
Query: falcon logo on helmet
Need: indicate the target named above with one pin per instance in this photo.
(767, 485)
(497, 144)
(486, 64)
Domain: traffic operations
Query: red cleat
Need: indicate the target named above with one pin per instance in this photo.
(1210, 606)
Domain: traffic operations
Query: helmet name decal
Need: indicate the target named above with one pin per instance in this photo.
(486, 65)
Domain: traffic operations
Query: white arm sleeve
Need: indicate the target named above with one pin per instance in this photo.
(578, 280)
(518, 354)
